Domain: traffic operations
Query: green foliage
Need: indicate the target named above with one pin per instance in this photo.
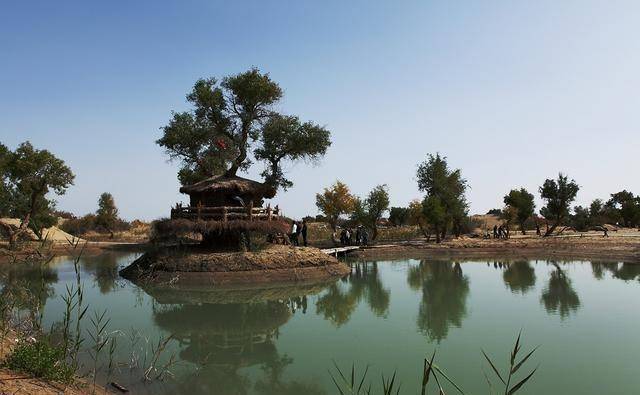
(559, 194)
(625, 208)
(27, 175)
(107, 213)
(41, 359)
(494, 211)
(286, 138)
(230, 118)
(369, 211)
(522, 202)
(399, 216)
(447, 188)
(435, 214)
(335, 201)
(581, 219)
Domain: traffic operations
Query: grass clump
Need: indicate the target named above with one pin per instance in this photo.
(40, 359)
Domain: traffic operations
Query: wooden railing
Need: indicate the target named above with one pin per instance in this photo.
(225, 214)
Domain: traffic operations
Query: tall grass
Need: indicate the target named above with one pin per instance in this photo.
(354, 383)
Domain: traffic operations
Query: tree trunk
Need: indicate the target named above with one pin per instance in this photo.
(550, 230)
(522, 228)
(374, 235)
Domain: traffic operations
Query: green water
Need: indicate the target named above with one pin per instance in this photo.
(386, 314)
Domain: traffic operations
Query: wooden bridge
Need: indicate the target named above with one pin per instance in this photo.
(340, 250)
(225, 214)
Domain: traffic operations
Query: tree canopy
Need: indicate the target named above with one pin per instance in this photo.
(625, 208)
(369, 211)
(335, 201)
(445, 201)
(522, 202)
(107, 213)
(28, 175)
(558, 194)
(233, 120)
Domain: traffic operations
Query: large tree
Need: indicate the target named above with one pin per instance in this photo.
(234, 119)
(625, 207)
(522, 202)
(369, 211)
(558, 194)
(28, 175)
(447, 189)
(107, 213)
(335, 201)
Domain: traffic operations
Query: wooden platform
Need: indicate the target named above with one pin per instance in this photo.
(340, 250)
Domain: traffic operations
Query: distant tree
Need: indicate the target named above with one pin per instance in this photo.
(558, 194)
(5, 188)
(232, 119)
(581, 219)
(509, 215)
(285, 138)
(522, 202)
(107, 213)
(626, 208)
(28, 175)
(416, 217)
(369, 211)
(435, 214)
(438, 181)
(335, 201)
(398, 216)
(495, 211)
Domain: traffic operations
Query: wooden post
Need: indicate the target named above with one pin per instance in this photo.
(251, 210)
(224, 214)
(269, 212)
(199, 209)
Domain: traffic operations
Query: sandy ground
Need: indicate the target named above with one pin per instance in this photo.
(619, 246)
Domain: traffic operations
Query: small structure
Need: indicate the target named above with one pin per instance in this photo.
(227, 198)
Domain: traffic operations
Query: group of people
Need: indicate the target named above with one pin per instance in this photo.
(360, 237)
(500, 232)
(298, 229)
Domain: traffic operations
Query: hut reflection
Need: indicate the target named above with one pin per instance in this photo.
(364, 283)
(444, 296)
(222, 339)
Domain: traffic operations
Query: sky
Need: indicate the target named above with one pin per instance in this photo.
(510, 92)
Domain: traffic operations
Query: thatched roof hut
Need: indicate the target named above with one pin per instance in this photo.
(224, 190)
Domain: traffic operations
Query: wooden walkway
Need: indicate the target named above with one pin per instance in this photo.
(340, 250)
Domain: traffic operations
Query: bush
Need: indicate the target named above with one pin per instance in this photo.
(40, 359)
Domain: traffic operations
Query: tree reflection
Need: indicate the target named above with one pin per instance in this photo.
(624, 271)
(104, 269)
(559, 296)
(26, 288)
(340, 301)
(519, 277)
(444, 296)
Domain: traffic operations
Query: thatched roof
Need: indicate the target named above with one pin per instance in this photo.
(230, 184)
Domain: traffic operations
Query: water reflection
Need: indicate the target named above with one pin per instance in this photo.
(224, 338)
(559, 297)
(26, 288)
(104, 269)
(444, 296)
(519, 276)
(341, 299)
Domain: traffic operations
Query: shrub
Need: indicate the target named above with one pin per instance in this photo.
(40, 359)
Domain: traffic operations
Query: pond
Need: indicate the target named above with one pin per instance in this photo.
(386, 314)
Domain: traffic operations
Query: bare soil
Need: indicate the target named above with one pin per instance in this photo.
(619, 246)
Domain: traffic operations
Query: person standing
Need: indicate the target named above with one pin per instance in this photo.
(298, 232)
(294, 234)
(304, 232)
(495, 231)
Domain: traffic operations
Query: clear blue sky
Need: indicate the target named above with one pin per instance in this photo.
(511, 92)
